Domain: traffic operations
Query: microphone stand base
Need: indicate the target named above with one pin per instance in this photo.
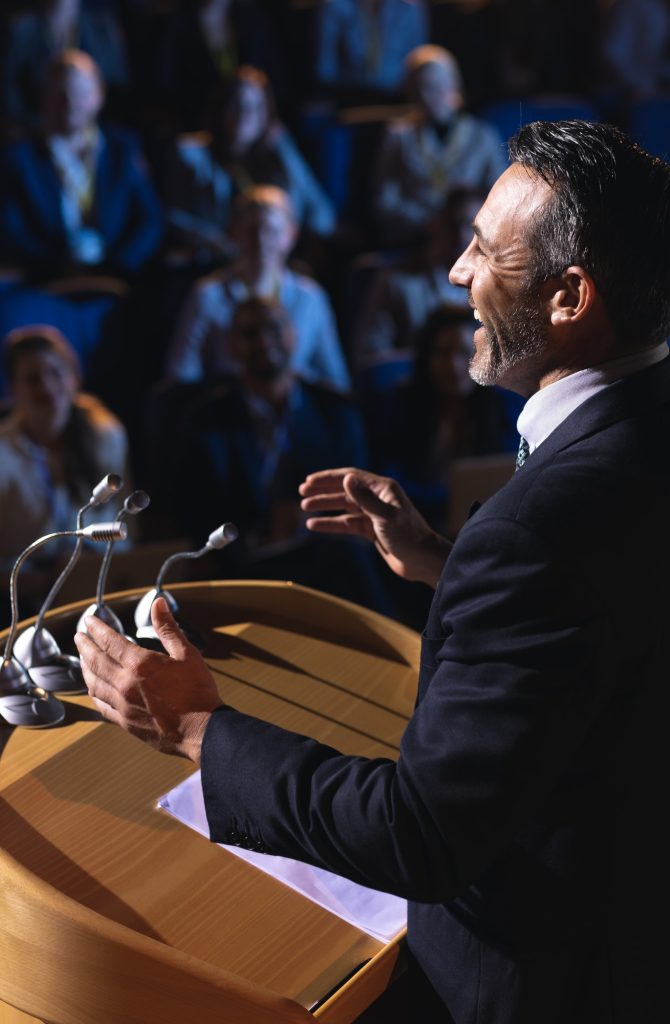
(32, 709)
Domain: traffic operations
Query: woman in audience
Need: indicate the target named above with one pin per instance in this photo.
(56, 443)
(439, 415)
(201, 44)
(264, 229)
(246, 145)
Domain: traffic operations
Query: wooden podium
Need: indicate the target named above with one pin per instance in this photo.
(111, 912)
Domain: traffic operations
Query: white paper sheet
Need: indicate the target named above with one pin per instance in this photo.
(376, 913)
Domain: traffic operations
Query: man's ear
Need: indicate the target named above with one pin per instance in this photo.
(573, 298)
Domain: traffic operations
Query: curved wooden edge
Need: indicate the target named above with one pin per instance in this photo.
(366, 985)
(331, 618)
(67, 964)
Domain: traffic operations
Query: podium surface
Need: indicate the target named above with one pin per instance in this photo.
(111, 911)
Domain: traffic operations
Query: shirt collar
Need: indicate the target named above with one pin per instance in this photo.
(547, 408)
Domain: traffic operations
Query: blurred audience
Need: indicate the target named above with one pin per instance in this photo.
(635, 50)
(361, 45)
(249, 443)
(264, 229)
(401, 296)
(78, 196)
(244, 146)
(226, 316)
(36, 35)
(434, 149)
(201, 44)
(417, 429)
(56, 443)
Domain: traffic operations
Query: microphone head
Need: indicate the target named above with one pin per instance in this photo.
(223, 536)
(106, 489)
(105, 532)
(136, 502)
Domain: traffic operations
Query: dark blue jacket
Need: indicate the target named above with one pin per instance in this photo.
(126, 209)
(524, 820)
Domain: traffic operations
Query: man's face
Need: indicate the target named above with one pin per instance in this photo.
(437, 92)
(74, 98)
(512, 343)
(263, 342)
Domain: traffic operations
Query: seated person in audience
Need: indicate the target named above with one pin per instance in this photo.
(247, 445)
(36, 35)
(56, 444)
(435, 148)
(245, 145)
(361, 45)
(77, 198)
(264, 228)
(401, 297)
(203, 43)
(417, 429)
(634, 43)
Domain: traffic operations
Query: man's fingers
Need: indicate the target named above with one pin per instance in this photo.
(117, 647)
(326, 481)
(361, 495)
(327, 502)
(346, 524)
(169, 632)
(99, 668)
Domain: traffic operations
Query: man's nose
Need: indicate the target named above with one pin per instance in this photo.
(462, 271)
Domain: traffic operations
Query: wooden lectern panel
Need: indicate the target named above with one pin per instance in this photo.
(111, 911)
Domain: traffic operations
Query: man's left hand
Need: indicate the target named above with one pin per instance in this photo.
(164, 699)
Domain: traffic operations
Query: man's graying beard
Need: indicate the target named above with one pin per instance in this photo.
(520, 335)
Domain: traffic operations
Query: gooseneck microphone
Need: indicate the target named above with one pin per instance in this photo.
(134, 503)
(217, 540)
(36, 648)
(21, 701)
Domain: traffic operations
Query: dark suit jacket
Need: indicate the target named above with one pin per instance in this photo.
(222, 461)
(524, 818)
(126, 212)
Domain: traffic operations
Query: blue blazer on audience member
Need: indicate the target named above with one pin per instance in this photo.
(127, 210)
(525, 818)
(225, 462)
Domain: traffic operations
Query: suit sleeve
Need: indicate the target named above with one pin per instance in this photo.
(514, 661)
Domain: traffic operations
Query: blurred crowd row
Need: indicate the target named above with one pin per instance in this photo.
(232, 221)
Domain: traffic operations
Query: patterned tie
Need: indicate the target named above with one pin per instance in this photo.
(523, 453)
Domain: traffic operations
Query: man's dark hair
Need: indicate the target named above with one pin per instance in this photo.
(610, 214)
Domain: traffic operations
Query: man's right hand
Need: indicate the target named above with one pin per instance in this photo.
(377, 508)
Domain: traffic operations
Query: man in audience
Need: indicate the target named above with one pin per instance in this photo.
(361, 44)
(247, 445)
(264, 229)
(48, 27)
(432, 150)
(78, 198)
(524, 818)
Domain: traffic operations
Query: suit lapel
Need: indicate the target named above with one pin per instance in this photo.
(628, 397)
